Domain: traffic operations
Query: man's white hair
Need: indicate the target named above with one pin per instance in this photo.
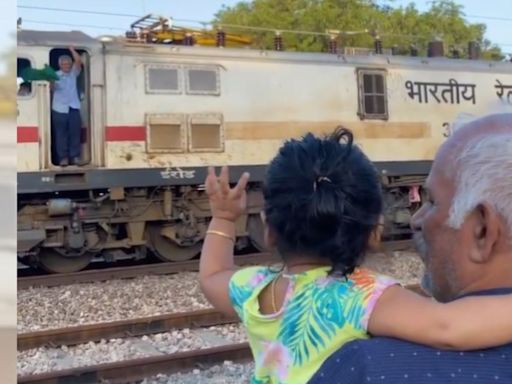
(64, 58)
(483, 174)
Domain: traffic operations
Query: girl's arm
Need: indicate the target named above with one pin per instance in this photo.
(216, 266)
(464, 324)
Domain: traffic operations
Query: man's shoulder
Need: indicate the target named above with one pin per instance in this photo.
(382, 345)
(399, 361)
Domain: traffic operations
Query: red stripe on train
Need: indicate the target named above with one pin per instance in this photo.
(27, 135)
(125, 133)
(31, 135)
(113, 133)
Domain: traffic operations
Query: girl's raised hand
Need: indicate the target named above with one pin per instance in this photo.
(225, 202)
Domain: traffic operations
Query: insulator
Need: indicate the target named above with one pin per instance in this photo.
(188, 40)
(473, 50)
(333, 46)
(131, 34)
(378, 46)
(278, 42)
(221, 38)
(435, 49)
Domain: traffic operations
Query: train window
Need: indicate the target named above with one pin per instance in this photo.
(24, 88)
(165, 133)
(373, 103)
(162, 79)
(206, 133)
(203, 81)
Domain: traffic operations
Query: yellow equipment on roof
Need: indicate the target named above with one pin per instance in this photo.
(156, 29)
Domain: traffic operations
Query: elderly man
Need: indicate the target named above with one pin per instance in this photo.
(66, 120)
(464, 235)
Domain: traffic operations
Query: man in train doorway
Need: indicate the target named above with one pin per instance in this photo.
(66, 121)
(464, 235)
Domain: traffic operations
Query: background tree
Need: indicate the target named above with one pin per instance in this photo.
(396, 26)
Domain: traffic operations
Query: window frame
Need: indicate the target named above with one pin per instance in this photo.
(32, 90)
(213, 118)
(213, 68)
(147, 84)
(173, 118)
(363, 115)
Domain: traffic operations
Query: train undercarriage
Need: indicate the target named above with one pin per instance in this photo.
(65, 232)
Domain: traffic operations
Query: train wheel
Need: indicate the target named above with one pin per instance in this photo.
(256, 232)
(52, 261)
(166, 250)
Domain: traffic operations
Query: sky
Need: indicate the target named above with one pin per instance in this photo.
(494, 13)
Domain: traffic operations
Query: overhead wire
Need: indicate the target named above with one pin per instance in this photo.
(500, 18)
(76, 11)
(73, 25)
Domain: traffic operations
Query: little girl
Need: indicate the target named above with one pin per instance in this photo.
(322, 212)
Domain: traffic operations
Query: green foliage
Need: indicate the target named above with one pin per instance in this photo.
(399, 27)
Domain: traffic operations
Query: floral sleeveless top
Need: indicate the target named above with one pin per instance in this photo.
(320, 313)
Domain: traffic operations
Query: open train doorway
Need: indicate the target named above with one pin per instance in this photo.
(83, 88)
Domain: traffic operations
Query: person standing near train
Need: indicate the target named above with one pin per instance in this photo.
(66, 121)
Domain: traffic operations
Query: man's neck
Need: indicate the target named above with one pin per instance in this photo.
(488, 292)
(497, 278)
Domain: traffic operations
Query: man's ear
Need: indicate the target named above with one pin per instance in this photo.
(486, 232)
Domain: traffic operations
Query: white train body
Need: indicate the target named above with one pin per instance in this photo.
(157, 115)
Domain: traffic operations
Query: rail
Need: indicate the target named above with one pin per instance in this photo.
(128, 272)
(122, 328)
(128, 371)
(52, 280)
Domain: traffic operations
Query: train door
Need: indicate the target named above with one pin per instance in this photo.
(83, 86)
(33, 117)
(85, 109)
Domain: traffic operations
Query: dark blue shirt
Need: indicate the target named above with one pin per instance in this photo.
(387, 360)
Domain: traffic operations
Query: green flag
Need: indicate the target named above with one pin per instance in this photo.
(32, 74)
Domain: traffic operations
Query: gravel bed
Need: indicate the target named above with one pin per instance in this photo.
(405, 266)
(227, 373)
(57, 307)
(45, 359)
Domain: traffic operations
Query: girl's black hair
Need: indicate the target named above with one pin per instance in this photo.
(323, 199)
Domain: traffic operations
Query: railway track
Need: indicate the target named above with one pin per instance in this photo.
(122, 328)
(93, 275)
(133, 370)
(128, 272)
(130, 328)
(137, 369)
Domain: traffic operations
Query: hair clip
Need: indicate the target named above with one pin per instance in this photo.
(319, 179)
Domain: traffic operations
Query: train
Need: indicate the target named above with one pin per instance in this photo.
(156, 115)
